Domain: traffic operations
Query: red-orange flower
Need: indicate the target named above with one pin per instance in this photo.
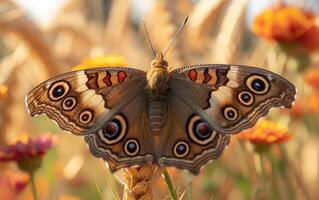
(288, 25)
(27, 152)
(312, 77)
(266, 132)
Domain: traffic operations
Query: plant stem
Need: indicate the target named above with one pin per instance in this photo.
(296, 173)
(189, 187)
(33, 188)
(263, 177)
(262, 172)
(169, 184)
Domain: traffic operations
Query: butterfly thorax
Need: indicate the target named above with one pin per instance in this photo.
(158, 76)
(157, 88)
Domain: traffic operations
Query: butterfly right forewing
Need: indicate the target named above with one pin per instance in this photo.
(233, 97)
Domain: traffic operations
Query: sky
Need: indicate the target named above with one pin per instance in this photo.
(42, 11)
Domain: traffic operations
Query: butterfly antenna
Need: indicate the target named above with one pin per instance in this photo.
(176, 35)
(148, 37)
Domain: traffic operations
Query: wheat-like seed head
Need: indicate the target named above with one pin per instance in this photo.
(138, 182)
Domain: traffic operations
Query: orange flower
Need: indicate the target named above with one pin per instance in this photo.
(298, 109)
(28, 152)
(266, 132)
(288, 25)
(3, 91)
(312, 77)
(69, 198)
(111, 60)
(17, 180)
(12, 183)
(314, 103)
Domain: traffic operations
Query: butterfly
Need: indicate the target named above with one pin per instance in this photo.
(181, 118)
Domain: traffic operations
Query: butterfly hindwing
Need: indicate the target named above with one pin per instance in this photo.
(125, 139)
(189, 143)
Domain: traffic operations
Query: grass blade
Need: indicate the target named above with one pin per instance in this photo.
(168, 181)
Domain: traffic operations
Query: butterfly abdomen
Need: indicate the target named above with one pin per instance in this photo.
(157, 109)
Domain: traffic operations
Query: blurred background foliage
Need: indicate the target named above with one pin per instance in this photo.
(278, 159)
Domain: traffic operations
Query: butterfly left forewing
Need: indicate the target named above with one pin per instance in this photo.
(82, 101)
(231, 98)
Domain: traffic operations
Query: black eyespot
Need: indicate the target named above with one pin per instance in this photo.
(58, 90)
(246, 98)
(86, 116)
(258, 84)
(199, 131)
(112, 129)
(230, 113)
(181, 149)
(202, 130)
(68, 103)
(131, 147)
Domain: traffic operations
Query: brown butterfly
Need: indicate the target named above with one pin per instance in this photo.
(182, 118)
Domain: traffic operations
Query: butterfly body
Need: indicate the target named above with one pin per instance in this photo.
(157, 89)
(182, 118)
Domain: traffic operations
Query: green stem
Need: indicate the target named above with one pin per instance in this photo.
(275, 176)
(262, 171)
(263, 177)
(189, 186)
(169, 184)
(296, 173)
(247, 164)
(33, 188)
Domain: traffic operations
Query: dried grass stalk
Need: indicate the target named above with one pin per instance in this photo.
(14, 20)
(230, 32)
(162, 28)
(12, 75)
(73, 25)
(201, 22)
(117, 24)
